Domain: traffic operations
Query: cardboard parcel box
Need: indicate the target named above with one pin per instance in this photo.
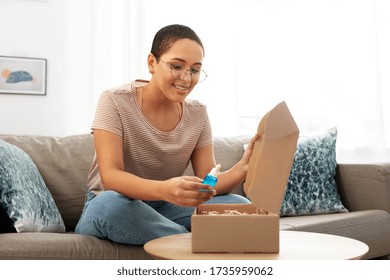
(240, 228)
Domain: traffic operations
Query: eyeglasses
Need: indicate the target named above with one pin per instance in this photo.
(178, 71)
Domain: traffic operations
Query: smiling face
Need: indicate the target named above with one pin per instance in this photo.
(176, 72)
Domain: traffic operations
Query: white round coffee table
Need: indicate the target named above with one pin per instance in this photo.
(294, 245)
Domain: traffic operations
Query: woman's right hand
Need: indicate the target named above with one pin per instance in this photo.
(187, 191)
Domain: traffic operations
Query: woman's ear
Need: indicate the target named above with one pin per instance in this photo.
(151, 63)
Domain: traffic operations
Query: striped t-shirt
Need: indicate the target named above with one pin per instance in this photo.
(148, 152)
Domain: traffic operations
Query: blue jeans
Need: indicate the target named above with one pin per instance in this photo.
(113, 216)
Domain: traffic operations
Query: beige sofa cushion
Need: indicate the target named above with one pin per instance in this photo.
(64, 163)
(369, 226)
(61, 246)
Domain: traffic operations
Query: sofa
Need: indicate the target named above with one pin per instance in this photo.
(64, 163)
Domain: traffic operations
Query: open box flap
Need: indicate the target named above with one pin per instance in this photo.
(272, 159)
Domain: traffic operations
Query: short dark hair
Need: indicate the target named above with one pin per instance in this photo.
(168, 35)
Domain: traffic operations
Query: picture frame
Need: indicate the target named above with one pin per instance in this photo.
(23, 75)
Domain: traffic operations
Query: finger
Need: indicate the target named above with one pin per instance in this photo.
(192, 179)
(253, 140)
(196, 185)
(257, 137)
(199, 194)
(205, 188)
(211, 191)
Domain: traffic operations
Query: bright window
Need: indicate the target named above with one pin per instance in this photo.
(327, 59)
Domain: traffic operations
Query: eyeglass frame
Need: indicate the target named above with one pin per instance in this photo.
(171, 66)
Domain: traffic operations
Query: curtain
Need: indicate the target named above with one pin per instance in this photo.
(328, 59)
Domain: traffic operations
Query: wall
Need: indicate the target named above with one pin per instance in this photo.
(39, 28)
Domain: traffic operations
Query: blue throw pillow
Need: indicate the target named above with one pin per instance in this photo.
(24, 195)
(312, 187)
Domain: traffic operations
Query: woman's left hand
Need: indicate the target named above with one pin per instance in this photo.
(248, 151)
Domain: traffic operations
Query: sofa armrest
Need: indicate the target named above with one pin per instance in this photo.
(364, 186)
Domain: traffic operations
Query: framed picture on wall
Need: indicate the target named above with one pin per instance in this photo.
(23, 75)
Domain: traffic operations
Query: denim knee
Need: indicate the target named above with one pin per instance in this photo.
(113, 216)
(229, 199)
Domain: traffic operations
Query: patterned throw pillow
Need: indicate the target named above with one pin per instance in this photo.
(312, 187)
(24, 195)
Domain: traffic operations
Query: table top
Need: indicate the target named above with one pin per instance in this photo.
(296, 245)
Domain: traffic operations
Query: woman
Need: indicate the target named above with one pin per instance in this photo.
(145, 134)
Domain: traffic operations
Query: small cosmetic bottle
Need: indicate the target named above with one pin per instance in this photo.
(212, 178)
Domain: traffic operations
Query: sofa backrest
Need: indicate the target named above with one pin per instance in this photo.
(64, 164)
